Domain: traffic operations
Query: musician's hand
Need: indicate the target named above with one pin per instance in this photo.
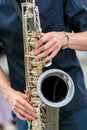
(53, 42)
(20, 106)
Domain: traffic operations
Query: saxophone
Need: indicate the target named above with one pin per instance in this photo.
(39, 84)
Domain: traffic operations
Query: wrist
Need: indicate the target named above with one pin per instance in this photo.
(7, 92)
(66, 41)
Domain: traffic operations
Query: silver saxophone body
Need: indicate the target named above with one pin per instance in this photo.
(47, 91)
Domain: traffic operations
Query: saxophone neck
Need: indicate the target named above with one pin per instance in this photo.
(33, 2)
(30, 1)
(31, 13)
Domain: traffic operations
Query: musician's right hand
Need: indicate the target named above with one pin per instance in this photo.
(20, 106)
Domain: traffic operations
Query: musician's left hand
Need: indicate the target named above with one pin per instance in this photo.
(49, 45)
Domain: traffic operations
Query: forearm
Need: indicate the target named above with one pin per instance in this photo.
(4, 84)
(78, 41)
(17, 100)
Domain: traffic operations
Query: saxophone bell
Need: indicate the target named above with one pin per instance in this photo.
(55, 88)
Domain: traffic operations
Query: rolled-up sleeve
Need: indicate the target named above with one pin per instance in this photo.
(76, 15)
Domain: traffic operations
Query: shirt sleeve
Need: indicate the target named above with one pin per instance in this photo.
(76, 14)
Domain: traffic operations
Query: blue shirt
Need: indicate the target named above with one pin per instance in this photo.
(55, 15)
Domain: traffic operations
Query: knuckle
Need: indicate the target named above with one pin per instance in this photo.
(20, 117)
(41, 41)
(13, 108)
(45, 47)
(57, 45)
(15, 103)
(55, 39)
(24, 104)
(24, 109)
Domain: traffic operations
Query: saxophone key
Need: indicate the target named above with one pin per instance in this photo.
(33, 42)
(29, 6)
(35, 103)
(29, 15)
(32, 53)
(34, 62)
(34, 92)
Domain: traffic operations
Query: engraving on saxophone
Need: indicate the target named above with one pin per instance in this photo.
(46, 91)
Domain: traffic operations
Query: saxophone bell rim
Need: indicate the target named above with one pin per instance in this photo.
(69, 82)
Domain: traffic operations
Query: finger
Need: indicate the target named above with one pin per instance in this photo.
(28, 109)
(51, 48)
(41, 55)
(23, 115)
(42, 40)
(51, 56)
(26, 105)
(51, 44)
(18, 105)
(42, 34)
(23, 111)
(48, 51)
(20, 116)
(43, 48)
(23, 95)
(38, 51)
